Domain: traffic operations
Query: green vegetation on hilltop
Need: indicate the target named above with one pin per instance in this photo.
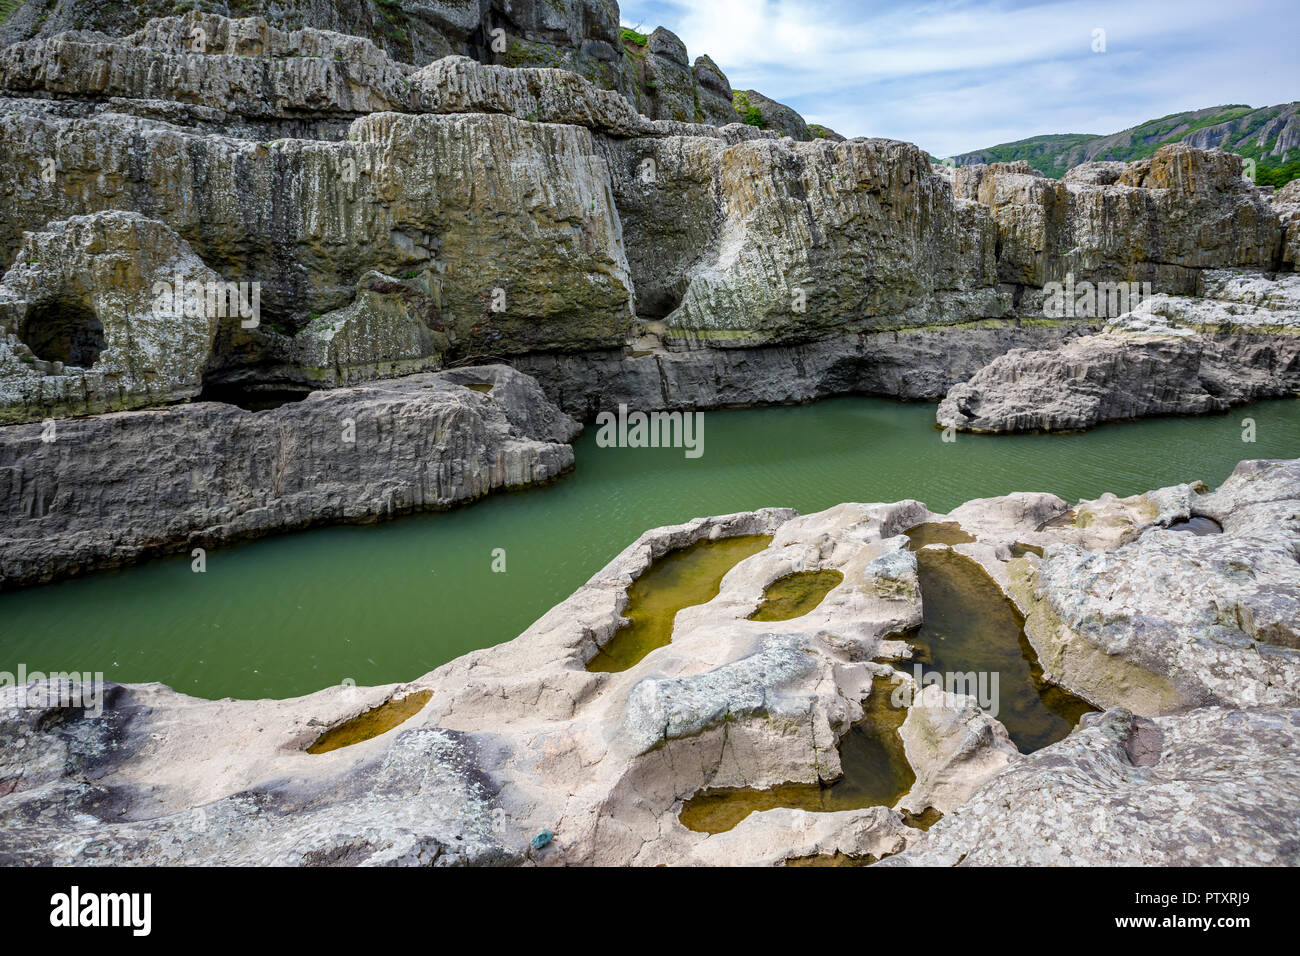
(1042, 152)
(1235, 128)
(631, 36)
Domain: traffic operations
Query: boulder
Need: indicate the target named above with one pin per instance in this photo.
(1170, 355)
(108, 311)
(775, 116)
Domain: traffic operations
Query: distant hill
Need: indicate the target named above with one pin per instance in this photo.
(1269, 135)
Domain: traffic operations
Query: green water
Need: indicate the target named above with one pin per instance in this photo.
(970, 627)
(289, 615)
(796, 595)
(680, 579)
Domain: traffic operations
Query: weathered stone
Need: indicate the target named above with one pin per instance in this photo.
(1165, 619)
(1162, 221)
(1214, 787)
(776, 116)
(469, 204)
(788, 241)
(86, 328)
(714, 94)
(521, 737)
(577, 35)
(1171, 355)
(122, 487)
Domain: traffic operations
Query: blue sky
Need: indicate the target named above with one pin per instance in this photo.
(957, 75)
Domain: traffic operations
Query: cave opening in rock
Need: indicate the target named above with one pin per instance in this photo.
(251, 396)
(62, 331)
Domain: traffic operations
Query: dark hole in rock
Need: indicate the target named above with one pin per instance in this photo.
(250, 396)
(970, 632)
(936, 532)
(372, 723)
(682, 578)
(63, 332)
(795, 595)
(875, 773)
(1197, 525)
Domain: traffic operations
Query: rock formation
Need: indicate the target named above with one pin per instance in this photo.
(90, 493)
(1108, 795)
(521, 738)
(401, 212)
(1170, 355)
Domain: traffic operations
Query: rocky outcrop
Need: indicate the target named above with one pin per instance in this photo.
(522, 741)
(577, 35)
(713, 91)
(522, 738)
(773, 115)
(118, 488)
(1171, 355)
(920, 363)
(1110, 794)
(1167, 619)
(779, 236)
(425, 215)
(1286, 201)
(455, 201)
(1161, 220)
(107, 311)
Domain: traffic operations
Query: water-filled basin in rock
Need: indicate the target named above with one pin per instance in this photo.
(375, 721)
(936, 532)
(795, 595)
(875, 773)
(682, 578)
(1197, 525)
(969, 627)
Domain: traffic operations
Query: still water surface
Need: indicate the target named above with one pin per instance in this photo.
(289, 615)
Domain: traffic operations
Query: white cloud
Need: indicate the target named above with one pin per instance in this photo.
(954, 75)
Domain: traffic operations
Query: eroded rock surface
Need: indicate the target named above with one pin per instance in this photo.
(117, 488)
(1214, 787)
(86, 329)
(1170, 355)
(522, 738)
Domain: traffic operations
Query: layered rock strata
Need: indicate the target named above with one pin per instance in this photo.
(1170, 355)
(113, 489)
(427, 213)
